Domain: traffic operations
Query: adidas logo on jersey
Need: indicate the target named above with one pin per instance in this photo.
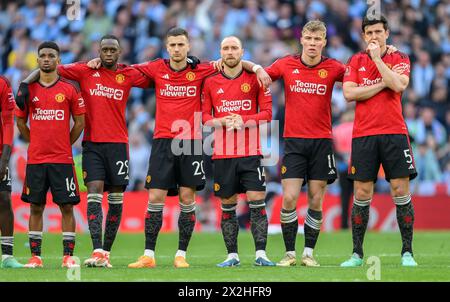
(331, 172)
(72, 194)
(35, 99)
(166, 76)
(362, 69)
(296, 71)
(220, 91)
(411, 167)
(96, 75)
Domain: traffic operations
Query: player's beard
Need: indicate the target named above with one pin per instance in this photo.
(232, 62)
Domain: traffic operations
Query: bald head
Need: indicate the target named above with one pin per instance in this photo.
(231, 40)
(231, 51)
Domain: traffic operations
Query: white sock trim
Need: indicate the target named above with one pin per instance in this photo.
(180, 253)
(149, 253)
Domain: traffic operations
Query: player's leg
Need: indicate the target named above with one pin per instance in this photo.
(230, 231)
(405, 217)
(363, 192)
(226, 187)
(94, 176)
(160, 178)
(7, 225)
(66, 194)
(293, 173)
(113, 217)
(321, 171)
(68, 232)
(153, 223)
(117, 179)
(186, 224)
(190, 177)
(252, 181)
(313, 220)
(34, 192)
(398, 164)
(363, 170)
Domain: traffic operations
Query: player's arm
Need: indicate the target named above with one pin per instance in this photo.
(7, 129)
(352, 92)
(262, 76)
(23, 127)
(77, 128)
(392, 79)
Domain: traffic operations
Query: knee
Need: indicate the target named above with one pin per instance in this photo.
(5, 201)
(398, 190)
(154, 197)
(66, 209)
(363, 193)
(95, 187)
(36, 210)
(186, 197)
(289, 200)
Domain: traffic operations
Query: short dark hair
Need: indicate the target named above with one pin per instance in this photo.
(109, 37)
(49, 44)
(177, 31)
(374, 20)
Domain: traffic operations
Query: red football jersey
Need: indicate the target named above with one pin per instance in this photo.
(307, 91)
(7, 108)
(106, 94)
(49, 110)
(177, 98)
(382, 113)
(241, 95)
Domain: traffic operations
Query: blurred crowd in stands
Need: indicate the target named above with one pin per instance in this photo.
(269, 29)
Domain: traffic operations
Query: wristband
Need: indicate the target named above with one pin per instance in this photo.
(255, 68)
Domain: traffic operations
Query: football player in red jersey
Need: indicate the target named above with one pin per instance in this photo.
(308, 78)
(6, 212)
(105, 140)
(175, 166)
(375, 79)
(233, 99)
(52, 101)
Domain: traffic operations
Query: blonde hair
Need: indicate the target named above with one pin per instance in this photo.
(315, 25)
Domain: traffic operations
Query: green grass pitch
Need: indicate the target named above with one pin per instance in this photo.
(432, 252)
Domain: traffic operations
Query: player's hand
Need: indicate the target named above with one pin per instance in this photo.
(22, 96)
(193, 61)
(237, 122)
(391, 49)
(218, 65)
(263, 77)
(374, 49)
(94, 63)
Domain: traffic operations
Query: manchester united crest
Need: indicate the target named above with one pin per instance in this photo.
(60, 97)
(283, 169)
(245, 87)
(216, 187)
(148, 179)
(190, 76)
(120, 78)
(323, 73)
